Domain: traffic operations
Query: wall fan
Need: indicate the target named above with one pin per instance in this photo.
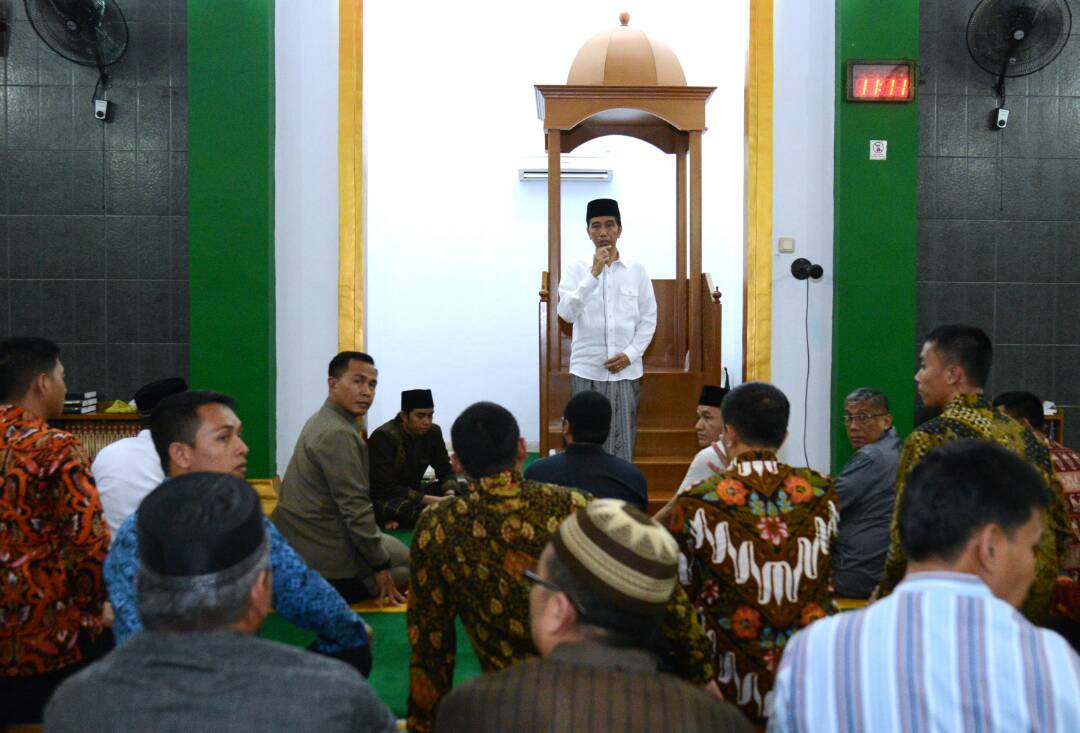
(88, 32)
(1011, 38)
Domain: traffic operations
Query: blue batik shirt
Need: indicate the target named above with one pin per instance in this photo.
(300, 595)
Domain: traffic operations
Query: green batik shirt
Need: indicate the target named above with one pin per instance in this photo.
(972, 416)
(467, 559)
(754, 558)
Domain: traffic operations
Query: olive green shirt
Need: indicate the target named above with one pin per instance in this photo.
(325, 509)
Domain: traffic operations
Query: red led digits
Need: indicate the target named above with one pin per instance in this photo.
(880, 82)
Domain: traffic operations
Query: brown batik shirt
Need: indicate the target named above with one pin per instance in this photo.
(467, 560)
(972, 416)
(754, 547)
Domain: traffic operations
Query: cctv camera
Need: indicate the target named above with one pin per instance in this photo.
(1002, 118)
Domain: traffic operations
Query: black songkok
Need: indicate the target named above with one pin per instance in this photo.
(148, 396)
(712, 396)
(416, 399)
(603, 207)
(199, 523)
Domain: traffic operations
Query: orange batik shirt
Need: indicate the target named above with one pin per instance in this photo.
(53, 540)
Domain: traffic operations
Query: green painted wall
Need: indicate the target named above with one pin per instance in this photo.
(231, 211)
(874, 246)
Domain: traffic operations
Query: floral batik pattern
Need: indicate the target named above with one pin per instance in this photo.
(754, 544)
(53, 539)
(972, 416)
(467, 560)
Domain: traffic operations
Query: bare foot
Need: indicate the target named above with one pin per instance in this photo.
(392, 525)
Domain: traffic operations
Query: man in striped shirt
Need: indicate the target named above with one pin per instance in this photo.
(947, 650)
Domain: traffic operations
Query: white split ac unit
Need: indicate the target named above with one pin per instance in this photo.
(571, 168)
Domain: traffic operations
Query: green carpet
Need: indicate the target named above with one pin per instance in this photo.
(389, 649)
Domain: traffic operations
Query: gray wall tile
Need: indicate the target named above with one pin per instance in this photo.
(1024, 314)
(3, 247)
(26, 312)
(1027, 252)
(5, 308)
(154, 125)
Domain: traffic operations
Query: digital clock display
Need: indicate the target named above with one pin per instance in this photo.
(880, 81)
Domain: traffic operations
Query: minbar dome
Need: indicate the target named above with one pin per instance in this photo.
(625, 57)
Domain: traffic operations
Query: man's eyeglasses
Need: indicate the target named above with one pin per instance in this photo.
(862, 418)
(534, 578)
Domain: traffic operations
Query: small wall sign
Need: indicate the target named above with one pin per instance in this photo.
(879, 149)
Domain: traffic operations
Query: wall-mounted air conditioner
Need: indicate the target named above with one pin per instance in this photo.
(572, 168)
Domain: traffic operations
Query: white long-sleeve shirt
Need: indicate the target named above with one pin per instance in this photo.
(612, 314)
(125, 472)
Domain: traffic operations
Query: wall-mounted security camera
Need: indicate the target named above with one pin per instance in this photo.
(101, 109)
(1001, 118)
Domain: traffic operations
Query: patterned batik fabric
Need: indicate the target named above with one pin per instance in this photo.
(972, 416)
(467, 560)
(53, 540)
(1067, 466)
(754, 559)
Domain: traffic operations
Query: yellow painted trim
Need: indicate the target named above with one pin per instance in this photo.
(267, 489)
(350, 176)
(757, 314)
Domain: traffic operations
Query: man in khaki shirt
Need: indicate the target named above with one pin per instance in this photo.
(325, 509)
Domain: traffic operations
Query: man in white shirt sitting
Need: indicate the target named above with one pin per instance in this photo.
(129, 469)
(611, 304)
(947, 650)
(711, 458)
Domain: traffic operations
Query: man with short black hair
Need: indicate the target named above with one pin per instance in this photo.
(324, 505)
(1027, 409)
(468, 560)
(204, 589)
(199, 431)
(866, 489)
(953, 369)
(584, 464)
(610, 302)
(947, 649)
(754, 547)
(127, 470)
(598, 596)
(53, 537)
(401, 450)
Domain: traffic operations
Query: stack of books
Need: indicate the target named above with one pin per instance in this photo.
(80, 403)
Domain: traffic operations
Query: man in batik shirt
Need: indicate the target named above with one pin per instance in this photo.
(53, 536)
(1027, 409)
(953, 369)
(468, 556)
(754, 547)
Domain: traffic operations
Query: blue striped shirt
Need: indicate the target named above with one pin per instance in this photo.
(939, 654)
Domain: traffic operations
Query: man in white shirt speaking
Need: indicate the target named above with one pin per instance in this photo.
(611, 304)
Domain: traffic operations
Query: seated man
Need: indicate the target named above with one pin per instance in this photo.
(324, 508)
(947, 650)
(129, 469)
(468, 558)
(401, 451)
(711, 458)
(599, 593)
(53, 537)
(866, 489)
(1027, 409)
(585, 464)
(754, 545)
(204, 589)
(198, 431)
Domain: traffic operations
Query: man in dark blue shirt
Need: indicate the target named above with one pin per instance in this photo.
(584, 464)
(867, 491)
